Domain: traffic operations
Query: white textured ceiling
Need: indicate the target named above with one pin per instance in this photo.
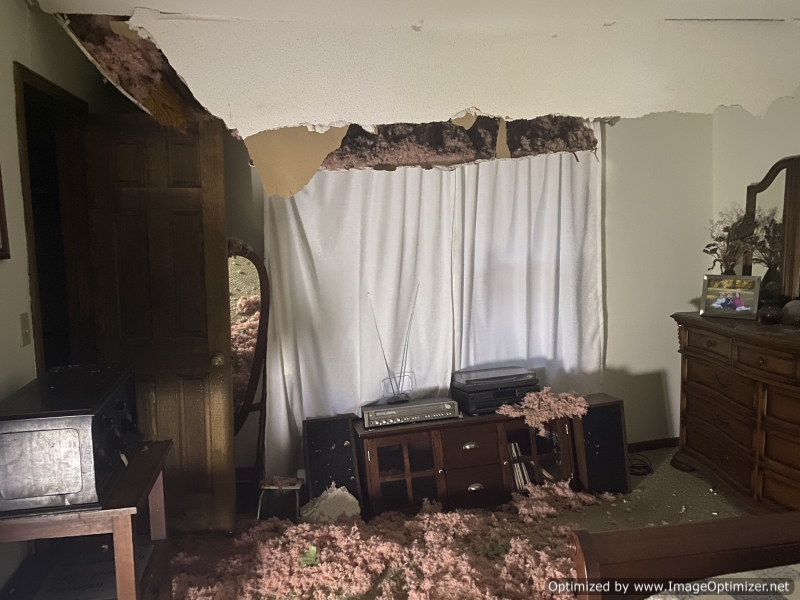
(264, 65)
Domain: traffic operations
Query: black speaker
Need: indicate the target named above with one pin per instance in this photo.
(329, 446)
(601, 446)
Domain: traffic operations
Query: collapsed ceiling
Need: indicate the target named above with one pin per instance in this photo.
(266, 66)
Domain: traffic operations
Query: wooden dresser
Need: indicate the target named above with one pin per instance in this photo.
(740, 408)
(469, 462)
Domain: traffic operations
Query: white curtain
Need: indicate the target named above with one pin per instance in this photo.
(506, 254)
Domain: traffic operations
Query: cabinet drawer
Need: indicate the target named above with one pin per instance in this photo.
(731, 385)
(709, 343)
(727, 458)
(782, 448)
(737, 428)
(470, 446)
(775, 363)
(780, 490)
(783, 405)
(475, 487)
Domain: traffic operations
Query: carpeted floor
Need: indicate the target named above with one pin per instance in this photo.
(459, 555)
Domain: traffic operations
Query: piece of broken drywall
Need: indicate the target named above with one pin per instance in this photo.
(286, 159)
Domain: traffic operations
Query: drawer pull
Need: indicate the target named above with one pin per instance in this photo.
(441, 471)
(710, 343)
(470, 446)
(720, 420)
(475, 487)
(722, 382)
(760, 360)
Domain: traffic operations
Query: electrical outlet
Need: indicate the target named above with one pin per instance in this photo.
(24, 330)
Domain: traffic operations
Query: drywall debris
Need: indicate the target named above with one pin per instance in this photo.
(549, 134)
(287, 158)
(332, 504)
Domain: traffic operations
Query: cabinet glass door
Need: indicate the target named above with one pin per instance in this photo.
(405, 471)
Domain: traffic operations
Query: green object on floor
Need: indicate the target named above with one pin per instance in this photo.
(309, 559)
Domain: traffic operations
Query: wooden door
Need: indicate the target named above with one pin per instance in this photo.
(157, 214)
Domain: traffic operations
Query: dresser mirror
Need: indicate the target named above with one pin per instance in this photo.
(249, 305)
(780, 189)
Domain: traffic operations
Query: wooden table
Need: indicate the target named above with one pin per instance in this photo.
(142, 482)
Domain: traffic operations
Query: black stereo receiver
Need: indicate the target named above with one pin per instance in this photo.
(66, 437)
(483, 391)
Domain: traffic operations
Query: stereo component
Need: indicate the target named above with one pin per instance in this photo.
(601, 446)
(483, 391)
(66, 437)
(413, 411)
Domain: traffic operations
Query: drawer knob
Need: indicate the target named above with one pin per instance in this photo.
(474, 487)
(470, 446)
(441, 471)
(720, 420)
(710, 343)
(760, 360)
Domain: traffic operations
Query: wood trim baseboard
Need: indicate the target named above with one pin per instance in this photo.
(653, 445)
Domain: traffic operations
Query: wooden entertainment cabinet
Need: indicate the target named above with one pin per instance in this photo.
(740, 408)
(469, 462)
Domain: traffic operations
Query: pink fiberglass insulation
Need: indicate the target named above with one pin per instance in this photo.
(244, 334)
(435, 555)
(537, 408)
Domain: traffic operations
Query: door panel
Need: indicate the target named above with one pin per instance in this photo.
(157, 209)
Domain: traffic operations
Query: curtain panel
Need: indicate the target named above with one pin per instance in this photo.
(507, 257)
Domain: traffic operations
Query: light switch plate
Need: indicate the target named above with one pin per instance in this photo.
(24, 330)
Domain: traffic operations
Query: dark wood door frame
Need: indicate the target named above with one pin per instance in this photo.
(68, 108)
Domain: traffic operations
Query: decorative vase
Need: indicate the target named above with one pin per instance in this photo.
(729, 271)
(771, 279)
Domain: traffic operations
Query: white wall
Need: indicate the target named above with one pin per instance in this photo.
(658, 190)
(35, 40)
(746, 146)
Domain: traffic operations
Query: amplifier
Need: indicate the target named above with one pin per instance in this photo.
(413, 411)
(66, 437)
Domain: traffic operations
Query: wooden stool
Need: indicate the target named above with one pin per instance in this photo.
(295, 487)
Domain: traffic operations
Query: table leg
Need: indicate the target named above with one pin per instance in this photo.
(124, 558)
(158, 516)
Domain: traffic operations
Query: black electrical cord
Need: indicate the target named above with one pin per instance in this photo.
(640, 465)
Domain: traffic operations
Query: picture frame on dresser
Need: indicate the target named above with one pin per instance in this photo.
(730, 296)
(5, 251)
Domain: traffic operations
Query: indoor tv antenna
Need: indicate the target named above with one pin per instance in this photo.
(398, 393)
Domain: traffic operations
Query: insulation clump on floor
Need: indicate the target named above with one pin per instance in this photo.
(334, 503)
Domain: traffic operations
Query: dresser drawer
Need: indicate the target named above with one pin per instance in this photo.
(725, 455)
(768, 361)
(470, 446)
(477, 486)
(782, 448)
(709, 343)
(737, 428)
(780, 490)
(738, 388)
(783, 405)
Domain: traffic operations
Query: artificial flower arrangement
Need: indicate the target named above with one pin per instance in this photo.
(735, 233)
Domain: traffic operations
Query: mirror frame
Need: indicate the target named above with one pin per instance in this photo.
(790, 254)
(236, 247)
